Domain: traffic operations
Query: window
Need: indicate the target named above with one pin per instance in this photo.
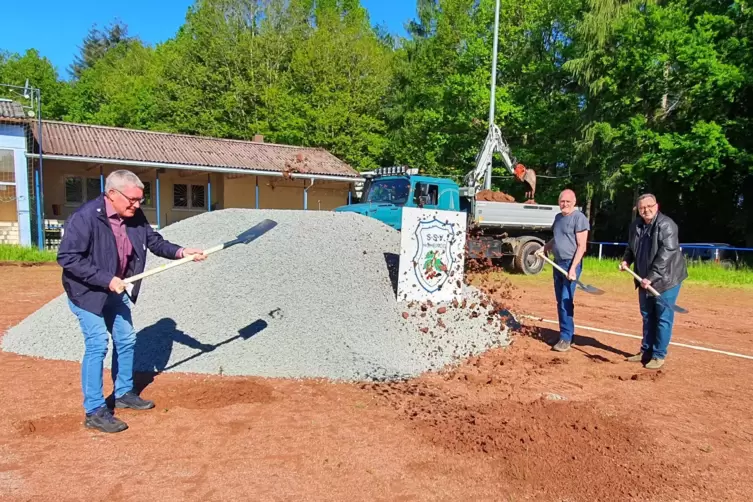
(433, 195)
(93, 188)
(147, 193)
(395, 191)
(189, 196)
(7, 167)
(429, 194)
(198, 196)
(74, 190)
(79, 190)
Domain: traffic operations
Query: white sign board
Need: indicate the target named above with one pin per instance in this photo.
(432, 255)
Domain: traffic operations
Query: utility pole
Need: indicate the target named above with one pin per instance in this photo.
(488, 181)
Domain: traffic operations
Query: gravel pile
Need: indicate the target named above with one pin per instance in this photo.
(314, 297)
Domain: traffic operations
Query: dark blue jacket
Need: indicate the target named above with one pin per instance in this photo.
(89, 255)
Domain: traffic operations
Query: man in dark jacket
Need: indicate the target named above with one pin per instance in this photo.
(105, 241)
(654, 248)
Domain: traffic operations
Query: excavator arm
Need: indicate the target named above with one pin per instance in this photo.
(494, 142)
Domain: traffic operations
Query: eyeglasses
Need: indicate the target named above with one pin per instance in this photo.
(646, 208)
(131, 200)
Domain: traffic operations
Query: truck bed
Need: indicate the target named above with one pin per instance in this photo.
(514, 215)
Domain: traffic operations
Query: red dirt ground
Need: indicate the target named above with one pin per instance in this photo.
(521, 423)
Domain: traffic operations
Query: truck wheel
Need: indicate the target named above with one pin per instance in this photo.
(525, 261)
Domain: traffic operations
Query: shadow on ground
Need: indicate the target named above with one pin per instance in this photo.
(550, 337)
(154, 347)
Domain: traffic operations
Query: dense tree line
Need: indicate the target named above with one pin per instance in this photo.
(609, 97)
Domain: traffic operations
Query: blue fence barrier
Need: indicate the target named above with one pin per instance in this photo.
(712, 249)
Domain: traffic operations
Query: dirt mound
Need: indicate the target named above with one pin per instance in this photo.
(491, 196)
(547, 445)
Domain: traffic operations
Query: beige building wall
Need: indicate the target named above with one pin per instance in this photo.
(56, 172)
(278, 193)
(227, 191)
(239, 191)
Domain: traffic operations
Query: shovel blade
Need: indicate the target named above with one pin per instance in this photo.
(667, 305)
(676, 308)
(256, 231)
(590, 289)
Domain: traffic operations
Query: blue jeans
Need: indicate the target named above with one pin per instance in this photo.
(657, 321)
(115, 318)
(564, 291)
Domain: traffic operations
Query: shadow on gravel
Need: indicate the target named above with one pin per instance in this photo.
(154, 346)
(393, 268)
(550, 337)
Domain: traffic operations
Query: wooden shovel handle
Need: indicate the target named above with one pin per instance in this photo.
(169, 265)
(639, 279)
(550, 262)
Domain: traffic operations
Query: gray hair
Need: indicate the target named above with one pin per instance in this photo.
(122, 179)
(645, 196)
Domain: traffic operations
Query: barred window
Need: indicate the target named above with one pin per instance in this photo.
(74, 190)
(189, 196)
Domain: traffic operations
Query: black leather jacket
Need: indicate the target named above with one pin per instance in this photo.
(666, 264)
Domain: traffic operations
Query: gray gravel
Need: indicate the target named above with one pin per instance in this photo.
(314, 297)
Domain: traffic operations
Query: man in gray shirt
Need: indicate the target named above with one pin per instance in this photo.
(570, 231)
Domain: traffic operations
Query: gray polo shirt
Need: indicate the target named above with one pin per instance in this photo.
(564, 229)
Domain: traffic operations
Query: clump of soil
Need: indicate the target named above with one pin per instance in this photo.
(491, 196)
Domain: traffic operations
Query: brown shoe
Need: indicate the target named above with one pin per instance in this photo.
(638, 358)
(654, 364)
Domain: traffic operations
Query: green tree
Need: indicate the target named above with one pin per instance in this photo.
(96, 44)
(120, 89)
(340, 76)
(297, 71)
(661, 93)
(439, 110)
(16, 69)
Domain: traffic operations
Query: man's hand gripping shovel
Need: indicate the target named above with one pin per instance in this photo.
(585, 287)
(653, 291)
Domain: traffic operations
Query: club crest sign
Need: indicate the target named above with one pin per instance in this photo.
(431, 255)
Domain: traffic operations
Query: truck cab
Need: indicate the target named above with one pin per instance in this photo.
(385, 197)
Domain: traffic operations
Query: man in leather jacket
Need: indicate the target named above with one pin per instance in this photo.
(654, 250)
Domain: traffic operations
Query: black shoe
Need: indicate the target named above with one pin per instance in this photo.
(133, 401)
(103, 420)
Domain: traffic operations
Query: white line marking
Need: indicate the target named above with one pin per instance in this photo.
(695, 347)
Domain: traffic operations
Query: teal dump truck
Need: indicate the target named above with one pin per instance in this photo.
(496, 230)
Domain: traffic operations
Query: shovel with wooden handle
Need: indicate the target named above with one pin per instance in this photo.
(585, 287)
(244, 238)
(654, 292)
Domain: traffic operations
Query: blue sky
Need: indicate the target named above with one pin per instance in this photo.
(57, 28)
